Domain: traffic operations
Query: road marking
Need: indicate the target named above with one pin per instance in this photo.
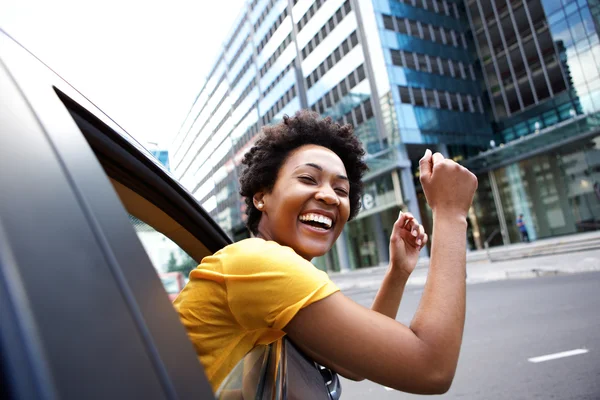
(557, 355)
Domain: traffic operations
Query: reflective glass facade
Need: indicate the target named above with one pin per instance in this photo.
(540, 60)
(541, 68)
(433, 72)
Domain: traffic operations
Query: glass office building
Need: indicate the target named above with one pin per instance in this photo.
(162, 156)
(404, 74)
(541, 68)
(510, 88)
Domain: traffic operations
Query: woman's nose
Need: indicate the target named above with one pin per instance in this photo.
(328, 196)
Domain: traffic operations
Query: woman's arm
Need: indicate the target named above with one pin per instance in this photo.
(388, 297)
(407, 239)
(421, 358)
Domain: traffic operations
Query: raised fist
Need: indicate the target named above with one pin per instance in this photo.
(448, 186)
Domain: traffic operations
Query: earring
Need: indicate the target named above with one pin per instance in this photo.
(261, 205)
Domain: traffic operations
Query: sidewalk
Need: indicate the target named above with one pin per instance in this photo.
(572, 254)
(543, 247)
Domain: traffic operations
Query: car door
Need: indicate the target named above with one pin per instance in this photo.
(83, 314)
(78, 177)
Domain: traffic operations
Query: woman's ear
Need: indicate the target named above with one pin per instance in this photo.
(258, 200)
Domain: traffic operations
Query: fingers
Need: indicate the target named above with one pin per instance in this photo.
(419, 234)
(425, 165)
(410, 229)
(404, 218)
(437, 158)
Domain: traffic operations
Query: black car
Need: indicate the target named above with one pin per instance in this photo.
(83, 314)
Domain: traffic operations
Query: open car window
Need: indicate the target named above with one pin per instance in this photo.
(165, 254)
(171, 262)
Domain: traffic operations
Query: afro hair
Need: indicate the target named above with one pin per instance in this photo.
(264, 160)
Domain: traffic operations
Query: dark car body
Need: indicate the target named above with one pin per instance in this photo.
(83, 314)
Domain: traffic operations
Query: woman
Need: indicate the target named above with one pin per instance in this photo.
(302, 183)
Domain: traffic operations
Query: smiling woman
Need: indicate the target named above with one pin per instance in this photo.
(308, 205)
(302, 184)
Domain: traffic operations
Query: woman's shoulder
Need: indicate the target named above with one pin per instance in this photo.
(267, 255)
(258, 248)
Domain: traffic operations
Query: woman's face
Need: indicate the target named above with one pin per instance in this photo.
(309, 204)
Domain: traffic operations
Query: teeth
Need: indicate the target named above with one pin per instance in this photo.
(317, 218)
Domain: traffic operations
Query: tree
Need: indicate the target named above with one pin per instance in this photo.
(186, 265)
(172, 263)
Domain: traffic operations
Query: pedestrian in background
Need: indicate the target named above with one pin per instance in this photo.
(522, 229)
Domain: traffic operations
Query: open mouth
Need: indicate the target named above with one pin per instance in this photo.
(317, 221)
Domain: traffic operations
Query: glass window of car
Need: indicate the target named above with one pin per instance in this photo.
(165, 255)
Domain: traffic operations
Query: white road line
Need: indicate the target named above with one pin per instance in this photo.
(557, 355)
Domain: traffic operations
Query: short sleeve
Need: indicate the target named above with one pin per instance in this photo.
(267, 284)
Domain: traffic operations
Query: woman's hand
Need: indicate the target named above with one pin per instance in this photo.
(407, 239)
(449, 187)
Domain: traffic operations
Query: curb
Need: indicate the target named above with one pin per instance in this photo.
(491, 277)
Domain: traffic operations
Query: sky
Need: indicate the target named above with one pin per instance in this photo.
(142, 62)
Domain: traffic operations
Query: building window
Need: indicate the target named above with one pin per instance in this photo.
(237, 31)
(423, 31)
(331, 98)
(271, 30)
(452, 101)
(431, 98)
(435, 66)
(243, 70)
(426, 63)
(444, 101)
(388, 22)
(397, 58)
(451, 68)
(422, 97)
(422, 62)
(343, 49)
(238, 53)
(309, 14)
(279, 104)
(326, 29)
(405, 95)
(443, 35)
(417, 97)
(278, 79)
(263, 14)
(437, 6)
(454, 39)
(409, 59)
(275, 55)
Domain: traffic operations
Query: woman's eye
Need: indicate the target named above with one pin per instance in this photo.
(342, 192)
(308, 179)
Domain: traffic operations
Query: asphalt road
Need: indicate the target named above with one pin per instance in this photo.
(509, 322)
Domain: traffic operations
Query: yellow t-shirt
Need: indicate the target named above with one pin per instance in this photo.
(243, 296)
